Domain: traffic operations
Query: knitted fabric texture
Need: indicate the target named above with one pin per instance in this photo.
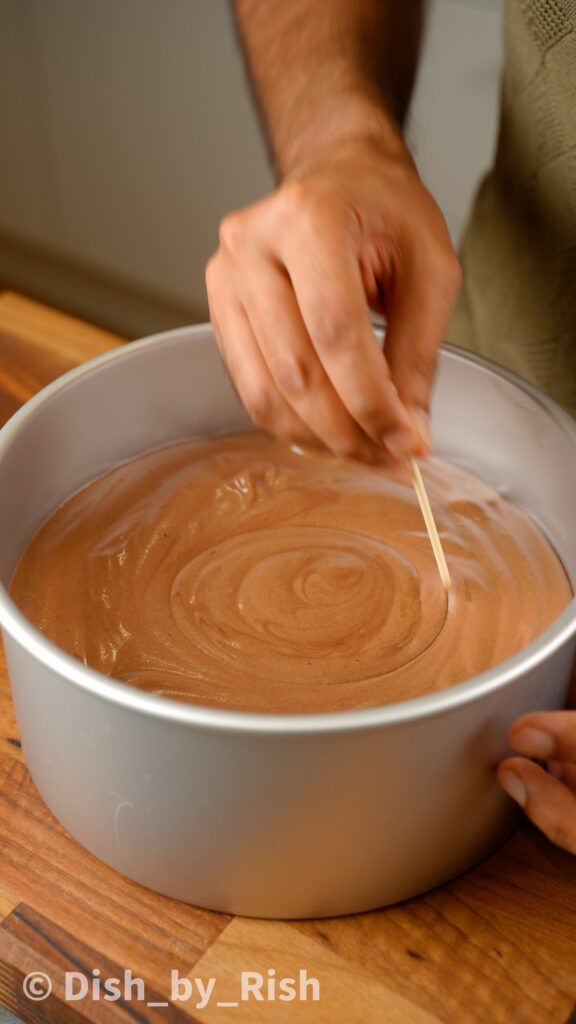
(518, 301)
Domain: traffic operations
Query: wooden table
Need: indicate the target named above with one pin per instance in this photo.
(496, 945)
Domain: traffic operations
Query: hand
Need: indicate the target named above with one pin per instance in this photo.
(290, 289)
(548, 798)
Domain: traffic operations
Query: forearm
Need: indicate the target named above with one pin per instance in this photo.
(328, 71)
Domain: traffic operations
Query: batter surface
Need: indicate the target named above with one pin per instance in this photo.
(239, 573)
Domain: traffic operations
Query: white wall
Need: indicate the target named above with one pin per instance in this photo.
(130, 132)
(453, 120)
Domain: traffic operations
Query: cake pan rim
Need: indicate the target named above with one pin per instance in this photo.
(427, 705)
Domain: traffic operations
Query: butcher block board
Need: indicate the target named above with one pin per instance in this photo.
(496, 945)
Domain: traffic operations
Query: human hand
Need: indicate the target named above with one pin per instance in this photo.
(290, 289)
(548, 798)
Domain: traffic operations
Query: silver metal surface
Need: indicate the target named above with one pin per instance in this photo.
(273, 815)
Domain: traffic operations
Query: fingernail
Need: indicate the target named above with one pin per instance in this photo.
(399, 443)
(422, 423)
(513, 785)
(533, 742)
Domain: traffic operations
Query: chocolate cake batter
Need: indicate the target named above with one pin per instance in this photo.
(239, 573)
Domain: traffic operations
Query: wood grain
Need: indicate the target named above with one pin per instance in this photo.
(37, 345)
(496, 945)
(55, 334)
(30, 941)
(41, 864)
(346, 990)
(495, 930)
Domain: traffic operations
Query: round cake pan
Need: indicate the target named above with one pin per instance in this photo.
(273, 815)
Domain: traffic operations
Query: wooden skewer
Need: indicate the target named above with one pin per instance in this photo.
(430, 524)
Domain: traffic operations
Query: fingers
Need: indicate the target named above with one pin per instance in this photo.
(276, 320)
(549, 798)
(298, 269)
(419, 303)
(255, 277)
(546, 735)
(246, 366)
(327, 281)
(549, 803)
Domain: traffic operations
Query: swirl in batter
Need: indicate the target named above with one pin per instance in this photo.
(242, 574)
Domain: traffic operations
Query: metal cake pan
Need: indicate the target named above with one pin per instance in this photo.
(273, 815)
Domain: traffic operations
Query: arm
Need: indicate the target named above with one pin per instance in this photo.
(334, 69)
(350, 227)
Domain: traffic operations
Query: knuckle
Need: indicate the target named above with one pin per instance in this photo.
(231, 235)
(300, 197)
(314, 204)
(291, 375)
(258, 402)
(332, 328)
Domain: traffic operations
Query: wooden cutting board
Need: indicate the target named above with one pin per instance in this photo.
(496, 945)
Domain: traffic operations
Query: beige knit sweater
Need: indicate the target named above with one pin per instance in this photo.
(518, 301)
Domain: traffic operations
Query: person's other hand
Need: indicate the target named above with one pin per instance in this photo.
(547, 797)
(290, 289)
